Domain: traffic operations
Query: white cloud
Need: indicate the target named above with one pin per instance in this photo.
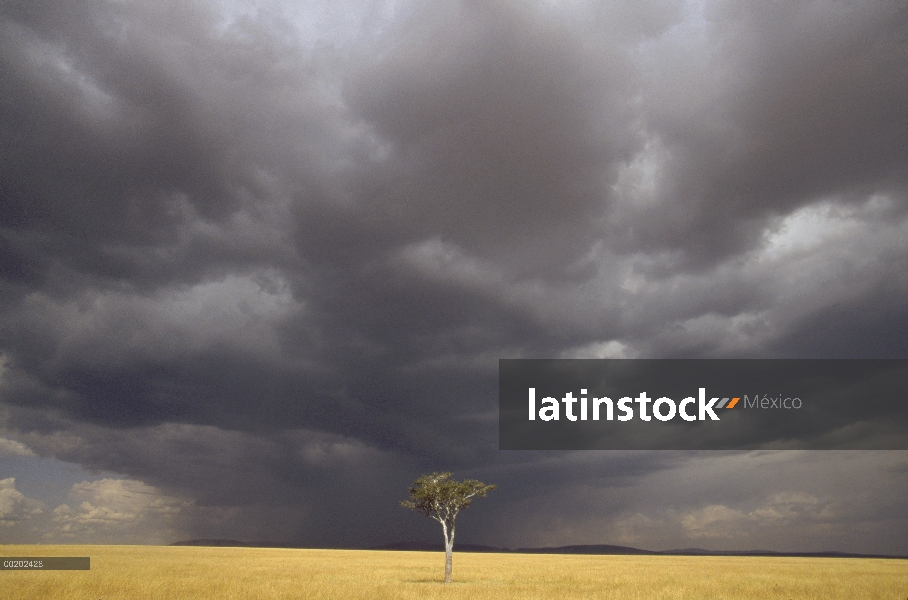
(609, 349)
(14, 505)
(14, 448)
(781, 511)
(712, 521)
(118, 510)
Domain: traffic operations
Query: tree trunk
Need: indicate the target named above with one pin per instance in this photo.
(449, 549)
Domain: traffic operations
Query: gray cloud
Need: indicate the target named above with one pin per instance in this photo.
(263, 258)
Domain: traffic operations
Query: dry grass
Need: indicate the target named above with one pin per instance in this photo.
(119, 572)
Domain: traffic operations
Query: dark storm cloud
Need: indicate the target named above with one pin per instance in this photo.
(762, 109)
(133, 135)
(292, 242)
(488, 115)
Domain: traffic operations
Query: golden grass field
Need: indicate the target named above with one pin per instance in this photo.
(127, 572)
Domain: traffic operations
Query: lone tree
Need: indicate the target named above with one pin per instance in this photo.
(436, 497)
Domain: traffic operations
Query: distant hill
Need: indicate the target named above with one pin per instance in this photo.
(603, 549)
(824, 554)
(231, 543)
(606, 549)
(210, 543)
(427, 547)
(585, 549)
(592, 549)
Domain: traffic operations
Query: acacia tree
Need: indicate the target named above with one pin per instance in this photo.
(436, 497)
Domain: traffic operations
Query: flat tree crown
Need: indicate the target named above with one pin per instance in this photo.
(437, 496)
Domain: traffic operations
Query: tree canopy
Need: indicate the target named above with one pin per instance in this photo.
(437, 497)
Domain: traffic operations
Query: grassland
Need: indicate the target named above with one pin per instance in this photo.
(139, 572)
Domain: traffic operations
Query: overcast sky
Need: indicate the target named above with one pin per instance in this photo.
(259, 260)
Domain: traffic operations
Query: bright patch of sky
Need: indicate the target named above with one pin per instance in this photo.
(314, 24)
